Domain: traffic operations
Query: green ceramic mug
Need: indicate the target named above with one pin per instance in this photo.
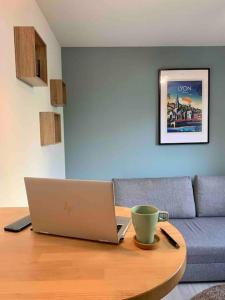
(145, 219)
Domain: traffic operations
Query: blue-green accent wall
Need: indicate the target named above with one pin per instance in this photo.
(111, 119)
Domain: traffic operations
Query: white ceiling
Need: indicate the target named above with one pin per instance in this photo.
(99, 23)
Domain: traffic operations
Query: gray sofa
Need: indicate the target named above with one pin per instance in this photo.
(198, 212)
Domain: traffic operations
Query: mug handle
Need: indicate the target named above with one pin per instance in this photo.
(163, 216)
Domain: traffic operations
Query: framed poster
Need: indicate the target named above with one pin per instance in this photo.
(184, 106)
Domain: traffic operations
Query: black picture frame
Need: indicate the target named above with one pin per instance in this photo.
(160, 142)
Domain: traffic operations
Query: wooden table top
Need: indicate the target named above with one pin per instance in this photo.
(38, 266)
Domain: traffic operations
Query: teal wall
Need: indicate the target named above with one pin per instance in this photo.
(111, 119)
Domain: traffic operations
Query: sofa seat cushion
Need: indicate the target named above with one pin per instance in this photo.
(173, 194)
(204, 272)
(210, 196)
(205, 239)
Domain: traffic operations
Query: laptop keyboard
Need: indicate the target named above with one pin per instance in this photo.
(118, 227)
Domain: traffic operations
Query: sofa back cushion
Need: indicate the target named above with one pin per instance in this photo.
(210, 196)
(174, 194)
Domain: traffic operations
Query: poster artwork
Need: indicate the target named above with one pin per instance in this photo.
(184, 106)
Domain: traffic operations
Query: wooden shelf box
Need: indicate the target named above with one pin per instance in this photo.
(58, 92)
(50, 128)
(30, 56)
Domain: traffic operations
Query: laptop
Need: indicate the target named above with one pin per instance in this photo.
(75, 208)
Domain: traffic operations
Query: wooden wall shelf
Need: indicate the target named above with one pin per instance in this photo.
(30, 56)
(58, 92)
(50, 128)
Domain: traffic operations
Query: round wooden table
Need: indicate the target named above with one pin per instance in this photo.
(37, 266)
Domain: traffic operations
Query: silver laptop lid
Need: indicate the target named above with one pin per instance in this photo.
(73, 208)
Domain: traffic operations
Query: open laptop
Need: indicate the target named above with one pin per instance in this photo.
(75, 208)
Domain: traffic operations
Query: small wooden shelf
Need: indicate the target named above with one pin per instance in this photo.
(58, 92)
(50, 128)
(30, 56)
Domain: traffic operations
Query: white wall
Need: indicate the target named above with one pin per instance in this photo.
(20, 151)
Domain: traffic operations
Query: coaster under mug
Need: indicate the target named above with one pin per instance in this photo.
(151, 246)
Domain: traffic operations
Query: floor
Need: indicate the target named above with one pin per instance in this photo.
(185, 291)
